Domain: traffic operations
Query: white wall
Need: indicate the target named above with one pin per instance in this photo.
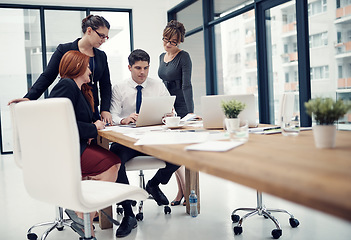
(149, 20)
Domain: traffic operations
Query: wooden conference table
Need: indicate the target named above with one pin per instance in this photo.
(291, 168)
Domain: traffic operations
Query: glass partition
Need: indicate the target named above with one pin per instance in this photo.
(117, 48)
(194, 45)
(57, 32)
(19, 72)
(20, 62)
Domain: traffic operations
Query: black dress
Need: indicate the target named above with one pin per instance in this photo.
(176, 75)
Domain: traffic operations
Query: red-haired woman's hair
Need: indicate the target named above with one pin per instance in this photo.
(74, 64)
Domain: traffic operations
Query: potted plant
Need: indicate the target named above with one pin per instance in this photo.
(326, 112)
(232, 109)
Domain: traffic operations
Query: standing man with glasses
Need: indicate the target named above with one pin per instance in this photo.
(126, 100)
(95, 32)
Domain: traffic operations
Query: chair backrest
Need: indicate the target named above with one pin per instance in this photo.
(16, 148)
(48, 141)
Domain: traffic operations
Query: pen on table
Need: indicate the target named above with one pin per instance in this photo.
(271, 128)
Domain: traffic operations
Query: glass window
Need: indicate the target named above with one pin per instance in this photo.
(117, 48)
(191, 16)
(283, 68)
(18, 74)
(223, 7)
(236, 55)
(194, 45)
(331, 75)
(58, 32)
(23, 26)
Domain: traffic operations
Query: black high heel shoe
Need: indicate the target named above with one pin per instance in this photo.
(176, 203)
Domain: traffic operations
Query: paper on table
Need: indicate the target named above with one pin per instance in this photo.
(170, 137)
(216, 146)
(125, 129)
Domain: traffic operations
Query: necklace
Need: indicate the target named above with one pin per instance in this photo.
(92, 70)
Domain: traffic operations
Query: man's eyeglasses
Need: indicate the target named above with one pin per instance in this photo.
(173, 43)
(102, 36)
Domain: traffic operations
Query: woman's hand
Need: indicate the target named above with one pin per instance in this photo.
(106, 117)
(17, 100)
(99, 125)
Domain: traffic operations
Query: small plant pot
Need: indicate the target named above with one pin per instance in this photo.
(232, 124)
(324, 136)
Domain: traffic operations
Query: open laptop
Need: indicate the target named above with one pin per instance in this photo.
(152, 110)
(213, 115)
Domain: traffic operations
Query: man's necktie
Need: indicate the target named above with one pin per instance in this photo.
(138, 98)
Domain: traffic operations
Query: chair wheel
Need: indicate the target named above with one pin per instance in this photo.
(294, 222)
(167, 210)
(32, 236)
(238, 230)
(134, 203)
(276, 233)
(235, 218)
(60, 228)
(119, 210)
(139, 216)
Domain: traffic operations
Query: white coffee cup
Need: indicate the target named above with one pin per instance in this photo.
(171, 121)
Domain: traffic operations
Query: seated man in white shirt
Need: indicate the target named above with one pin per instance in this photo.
(124, 110)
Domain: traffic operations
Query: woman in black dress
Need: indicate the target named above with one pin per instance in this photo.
(175, 72)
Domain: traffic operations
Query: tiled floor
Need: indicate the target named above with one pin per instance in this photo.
(218, 199)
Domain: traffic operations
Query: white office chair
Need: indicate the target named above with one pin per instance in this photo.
(261, 210)
(59, 221)
(47, 144)
(141, 163)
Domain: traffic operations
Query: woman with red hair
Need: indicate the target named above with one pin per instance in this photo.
(97, 163)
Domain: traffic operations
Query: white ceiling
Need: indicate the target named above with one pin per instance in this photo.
(93, 3)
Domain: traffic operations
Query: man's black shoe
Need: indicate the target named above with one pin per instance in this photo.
(157, 194)
(127, 225)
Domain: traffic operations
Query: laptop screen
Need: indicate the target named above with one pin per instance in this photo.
(213, 115)
(152, 110)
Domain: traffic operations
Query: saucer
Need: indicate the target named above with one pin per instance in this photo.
(175, 127)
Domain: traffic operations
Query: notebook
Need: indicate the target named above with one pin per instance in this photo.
(152, 110)
(212, 113)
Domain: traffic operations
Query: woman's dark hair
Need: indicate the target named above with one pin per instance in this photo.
(174, 28)
(94, 21)
(138, 55)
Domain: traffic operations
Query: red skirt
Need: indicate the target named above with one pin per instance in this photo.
(96, 159)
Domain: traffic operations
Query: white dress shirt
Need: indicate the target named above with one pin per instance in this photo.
(123, 102)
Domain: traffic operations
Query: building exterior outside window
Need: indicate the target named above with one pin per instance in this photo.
(330, 52)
